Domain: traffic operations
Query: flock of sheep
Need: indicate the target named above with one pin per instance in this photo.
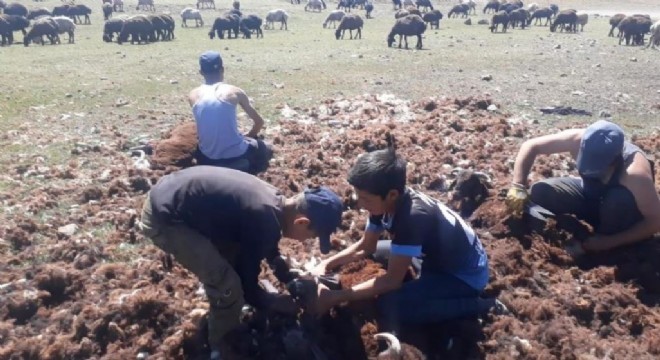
(411, 19)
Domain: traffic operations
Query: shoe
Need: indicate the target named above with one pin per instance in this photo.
(500, 309)
(215, 355)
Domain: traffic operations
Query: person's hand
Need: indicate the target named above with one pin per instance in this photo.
(575, 249)
(282, 304)
(320, 269)
(516, 198)
(325, 300)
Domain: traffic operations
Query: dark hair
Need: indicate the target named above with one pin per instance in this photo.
(379, 171)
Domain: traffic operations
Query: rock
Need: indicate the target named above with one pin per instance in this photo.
(142, 355)
(558, 46)
(483, 22)
(68, 95)
(492, 107)
(522, 345)
(633, 59)
(604, 114)
(67, 230)
(487, 77)
(174, 82)
(577, 93)
(468, 22)
(121, 102)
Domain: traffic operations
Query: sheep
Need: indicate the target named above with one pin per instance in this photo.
(401, 13)
(228, 22)
(554, 8)
(234, 12)
(518, 16)
(532, 7)
(65, 25)
(350, 22)
(107, 11)
(138, 27)
(251, 23)
(509, 8)
(205, 4)
(397, 4)
(159, 28)
(433, 17)
(6, 34)
(368, 8)
(414, 11)
(492, 6)
(633, 28)
(396, 350)
(79, 10)
(654, 40)
(169, 26)
(16, 23)
(500, 17)
(472, 5)
(359, 3)
(62, 10)
(565, 17)
(614, 23)
(582, 20)
(16, 9)
(35, 13)
(408, 3)
(544, 13)
(459, 9)
(277, 15)
(410, 25)
(118, 5)
(41, 27)
(347, 5)
(333, 17)
(146, 5)
(110, 27)
(317, 5)
(425, 4)
(191, 14)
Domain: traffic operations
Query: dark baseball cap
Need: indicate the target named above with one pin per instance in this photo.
(210, 62)
(601, 144)
(324, 209)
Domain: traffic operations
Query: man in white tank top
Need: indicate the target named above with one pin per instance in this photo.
(214, 108)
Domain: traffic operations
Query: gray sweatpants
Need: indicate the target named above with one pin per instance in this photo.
(615, 212)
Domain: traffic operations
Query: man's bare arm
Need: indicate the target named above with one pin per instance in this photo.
(251, 112)
(193, 96)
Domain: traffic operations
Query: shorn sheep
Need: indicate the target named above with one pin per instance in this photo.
(43, 27)
(191, 14)
(654, 40)
(66, 25)
(411, 25)
(350, 22)
(614, 23)
(277, 15)
(433, 17)
(333, 18)
(582, 20)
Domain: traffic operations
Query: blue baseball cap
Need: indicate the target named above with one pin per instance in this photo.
(210, 62)
(601, 144)
(324, 209)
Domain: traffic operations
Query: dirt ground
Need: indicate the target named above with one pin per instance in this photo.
(113, 295)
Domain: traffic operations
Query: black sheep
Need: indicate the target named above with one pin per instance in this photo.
(614, 22)
(567, 19)
(633, 28)
(138, 27)
(426, 4)
(518, 17)
(43, 27)
(5, 32)
(459, 9)
(368, 8)
(107, 11)
(350, 22)
(492, 6)
(33, 14)
(62, 10)
(411, 25)
(544, 13)
(225, 22)
(251, 23)
(74, 13)
(16, 23)
(433, 17)
(111, 27)
(169, 26)
(16, 9)
(501, 17)
(554, 8)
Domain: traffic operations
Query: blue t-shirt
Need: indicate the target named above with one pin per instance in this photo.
(425, 228)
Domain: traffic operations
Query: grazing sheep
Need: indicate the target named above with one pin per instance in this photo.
(35, 13)
(74, 12)
(414, 11)
(411, 25)
(159, 28)
(107, 11)
(433, 17)
(350, 22)
(333, 17)
(43, 27)
(251, 23)
(459, 9)
(118, 5)
(111, 27)
(401, 13)
(518, 17)
(147, 5)
(614, 23)
(274, 16)
(138, 27)
(16, 23)
(518, 3)
(6, 35)
(424, 5)
(62, 10)
(65, 25)
(565, 18)
(500, 17)
(317, 5)
(582, 20)
(228, 22)
(633, 28)
(368, 8)
(471, 4)
(544, 13)
(492, 6)
(554, 8)
(532, 7)
(654, 40)
(169, 26)
(509, 7)
(205, 4)
(347, 5)
(16, 9)
(191, 14)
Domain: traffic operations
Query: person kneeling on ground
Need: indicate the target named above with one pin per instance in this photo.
(220, 223)
(615, 192)
(214, 107)
(426, 234)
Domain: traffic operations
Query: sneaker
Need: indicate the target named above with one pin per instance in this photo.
(499, 308)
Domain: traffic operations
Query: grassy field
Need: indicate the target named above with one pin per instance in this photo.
(69, 89)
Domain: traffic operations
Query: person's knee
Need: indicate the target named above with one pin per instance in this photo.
(542, 192)
(224, 291)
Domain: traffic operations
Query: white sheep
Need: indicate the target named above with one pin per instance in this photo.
(582, 20)
(65, 25)
(333, 17)
(191, 14)
(532, 7)
(277, 15)
(314, 5)
(654, 40)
